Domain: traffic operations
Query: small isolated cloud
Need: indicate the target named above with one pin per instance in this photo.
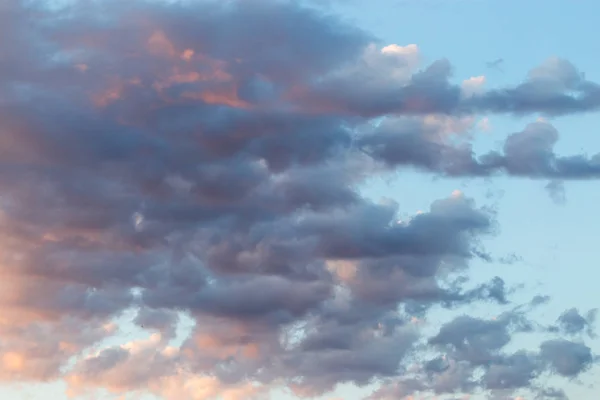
(495, 64)
(556, 190)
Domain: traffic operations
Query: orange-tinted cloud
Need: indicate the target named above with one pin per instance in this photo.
(206, 159)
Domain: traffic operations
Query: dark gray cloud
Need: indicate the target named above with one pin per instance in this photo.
(571, 322)
(475, 356)
(161, 320)
(476, 340)
(528, 153)
(565, 357)
(206, 159)
(511, 372)
(554, 88)
(552, 393)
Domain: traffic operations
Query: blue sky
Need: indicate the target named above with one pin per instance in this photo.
(556, 242)
(157, 102)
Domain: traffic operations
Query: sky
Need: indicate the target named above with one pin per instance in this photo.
(322, 199)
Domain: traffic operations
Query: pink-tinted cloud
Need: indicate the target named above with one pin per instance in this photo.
(205, 159)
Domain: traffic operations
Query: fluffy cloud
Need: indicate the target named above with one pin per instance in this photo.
(528, 153)
(206, 159)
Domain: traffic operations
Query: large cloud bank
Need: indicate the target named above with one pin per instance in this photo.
(205, 159)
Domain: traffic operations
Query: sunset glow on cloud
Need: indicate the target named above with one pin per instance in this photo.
(185, 212)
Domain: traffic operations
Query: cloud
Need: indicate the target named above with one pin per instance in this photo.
(565, 357)
(571, 322)
(473, 85)
(495, 64)
(528, 153)
(475, 356)
(206, 159)
(554, 88)
(556, 190)
(139, 365)
(477, 340)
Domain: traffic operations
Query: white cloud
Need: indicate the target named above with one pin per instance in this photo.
(473, 85)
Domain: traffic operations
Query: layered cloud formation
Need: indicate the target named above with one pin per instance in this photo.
(204, 160)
